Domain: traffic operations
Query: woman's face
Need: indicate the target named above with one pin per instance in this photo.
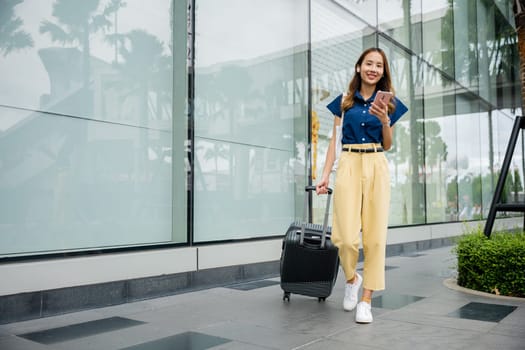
(371, 69)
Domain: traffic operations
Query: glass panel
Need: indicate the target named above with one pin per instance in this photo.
(466, 43)
(440, 140)
(469, 158)
(486, 40)
(401, 21)
(438, 34)
(408, 201)
(505, 7)
(85, 147)
(77, 185)
(365, 10)
(505, 64)
(488, 178)
(251, 93)
(241, 190)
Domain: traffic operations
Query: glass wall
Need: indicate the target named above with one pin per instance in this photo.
(86, 125)
(132, 123)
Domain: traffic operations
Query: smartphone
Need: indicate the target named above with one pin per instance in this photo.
(383, 96)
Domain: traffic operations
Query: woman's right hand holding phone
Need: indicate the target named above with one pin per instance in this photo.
(379, 107)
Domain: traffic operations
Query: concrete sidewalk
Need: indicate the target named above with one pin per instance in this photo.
(421, 309)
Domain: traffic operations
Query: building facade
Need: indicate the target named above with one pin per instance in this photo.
(148, 147)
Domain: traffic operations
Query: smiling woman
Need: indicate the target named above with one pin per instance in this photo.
(362, 198)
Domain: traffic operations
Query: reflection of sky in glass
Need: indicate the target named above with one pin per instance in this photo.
(129, 18)
(270, 31)
(23, 66)
(330, 21)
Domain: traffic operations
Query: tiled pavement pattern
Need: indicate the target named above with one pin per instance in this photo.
(417, 311)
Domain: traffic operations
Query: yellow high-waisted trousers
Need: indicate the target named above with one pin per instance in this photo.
(362, 203)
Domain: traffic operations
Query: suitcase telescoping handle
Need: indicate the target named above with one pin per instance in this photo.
(325, 222)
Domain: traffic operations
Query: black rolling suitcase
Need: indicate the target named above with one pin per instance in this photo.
(309, 260)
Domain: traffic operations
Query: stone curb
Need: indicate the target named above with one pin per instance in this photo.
(451, 283)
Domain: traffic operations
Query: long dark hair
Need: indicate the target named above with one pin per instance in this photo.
(385, 83)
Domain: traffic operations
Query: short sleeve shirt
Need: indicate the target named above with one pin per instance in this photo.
(359, 125)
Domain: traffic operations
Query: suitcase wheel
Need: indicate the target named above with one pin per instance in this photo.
(286, 296)
(321, 299)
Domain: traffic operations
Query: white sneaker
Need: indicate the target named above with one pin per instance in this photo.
(363, 313)
(351, 293)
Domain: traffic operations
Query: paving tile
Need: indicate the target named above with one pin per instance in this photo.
(510, 330)
(434, 306)
(16, 343)
(442, 321)
(332, 344)
(497, 341)
(395, 335)
(236, 345)
(259, 335)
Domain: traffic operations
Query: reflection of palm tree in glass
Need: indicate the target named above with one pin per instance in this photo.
(430, 150)
(230, 89)
(218, 151)
(143, 69)
(77, 20)
(113, 7)
(417, 191)
(498, 50)
(11, 36)
(233, 84)
(435, 152)
(402, 148)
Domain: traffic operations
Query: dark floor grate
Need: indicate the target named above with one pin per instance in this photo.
(394, 301)
(483, 312)
(80, 330)
(252, 285)
(183, 341)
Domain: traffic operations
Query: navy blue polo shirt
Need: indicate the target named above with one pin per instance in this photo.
(361, 126)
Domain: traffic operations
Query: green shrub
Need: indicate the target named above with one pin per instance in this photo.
(494, 265)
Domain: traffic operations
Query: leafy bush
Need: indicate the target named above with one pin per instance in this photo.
(494, 265)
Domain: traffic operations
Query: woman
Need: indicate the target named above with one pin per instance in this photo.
(362, 183)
